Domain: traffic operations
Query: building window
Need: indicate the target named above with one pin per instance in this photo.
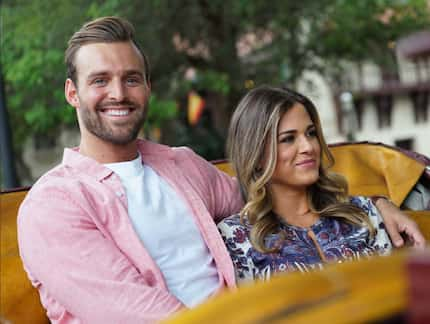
(406, 143)
(384, 105)
(389, 77)
(420, 102)
(358, 106)
(422, 69)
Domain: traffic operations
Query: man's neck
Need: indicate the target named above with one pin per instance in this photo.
(104, 152)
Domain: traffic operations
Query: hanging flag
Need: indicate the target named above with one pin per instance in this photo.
(196, 105)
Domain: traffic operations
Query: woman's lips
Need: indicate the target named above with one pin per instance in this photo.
(306, 163)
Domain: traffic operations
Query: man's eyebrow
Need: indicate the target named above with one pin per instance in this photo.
(96, 74)
(128, 72)
(104, 73)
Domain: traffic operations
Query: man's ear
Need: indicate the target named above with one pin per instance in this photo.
(71, 93)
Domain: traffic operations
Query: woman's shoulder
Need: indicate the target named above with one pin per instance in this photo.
(235, 221)
(235, 232)
(235, 229)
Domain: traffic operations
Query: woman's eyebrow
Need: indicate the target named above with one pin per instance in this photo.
(293, 131)
(289, 131)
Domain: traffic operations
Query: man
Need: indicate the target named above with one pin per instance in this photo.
(123, 231)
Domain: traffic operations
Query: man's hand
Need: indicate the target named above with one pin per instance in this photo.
(398, 224)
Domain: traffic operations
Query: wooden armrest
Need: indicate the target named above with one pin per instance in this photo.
(422, 218)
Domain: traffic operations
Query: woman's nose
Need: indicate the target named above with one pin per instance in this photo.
(306, 145)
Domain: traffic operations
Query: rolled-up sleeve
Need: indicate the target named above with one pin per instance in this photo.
(221, 189)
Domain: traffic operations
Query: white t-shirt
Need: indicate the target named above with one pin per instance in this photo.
(166, 227)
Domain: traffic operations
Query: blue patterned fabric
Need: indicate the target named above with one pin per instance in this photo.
(339, 240)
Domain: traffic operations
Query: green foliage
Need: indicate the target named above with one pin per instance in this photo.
(208, 80)
(200, 34)
(34, 37)
(160, 111)
(32, 58)
(366, 30)
(214, 81)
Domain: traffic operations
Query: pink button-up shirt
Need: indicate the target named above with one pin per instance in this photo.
(80, 250)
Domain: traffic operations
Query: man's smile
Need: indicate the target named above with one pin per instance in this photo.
(117, 112)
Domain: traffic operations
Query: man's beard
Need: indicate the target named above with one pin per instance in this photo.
(119, 134)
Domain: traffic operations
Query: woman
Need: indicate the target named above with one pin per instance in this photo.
(297, 215)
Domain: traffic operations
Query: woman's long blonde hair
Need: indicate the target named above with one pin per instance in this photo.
(254, 125)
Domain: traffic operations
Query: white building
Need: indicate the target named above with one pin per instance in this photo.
(389, 110)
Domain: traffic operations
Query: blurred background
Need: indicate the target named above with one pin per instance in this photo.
(365, 64)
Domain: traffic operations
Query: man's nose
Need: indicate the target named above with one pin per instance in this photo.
(117, 91)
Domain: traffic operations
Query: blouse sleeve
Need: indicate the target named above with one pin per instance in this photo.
(236, 239)
(381, 241)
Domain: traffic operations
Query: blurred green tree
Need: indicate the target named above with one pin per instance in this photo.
(231, 45)
(34, 37)
(176, 34)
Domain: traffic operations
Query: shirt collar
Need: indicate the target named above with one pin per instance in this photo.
(150, 152)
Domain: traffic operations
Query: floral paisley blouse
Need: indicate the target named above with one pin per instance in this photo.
(338, 240)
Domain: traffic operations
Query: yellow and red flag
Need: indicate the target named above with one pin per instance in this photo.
(196, 105)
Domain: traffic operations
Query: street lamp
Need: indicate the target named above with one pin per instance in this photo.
(349, 118)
